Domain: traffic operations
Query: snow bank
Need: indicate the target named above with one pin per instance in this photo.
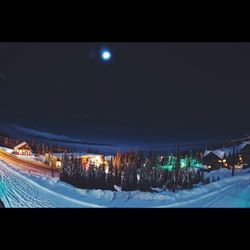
(223, 173)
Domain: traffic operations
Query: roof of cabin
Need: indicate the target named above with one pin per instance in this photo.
(227, 150)
(219, 153)
(21, 145)
(244, 144)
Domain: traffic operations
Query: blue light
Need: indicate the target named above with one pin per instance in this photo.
(106, 55)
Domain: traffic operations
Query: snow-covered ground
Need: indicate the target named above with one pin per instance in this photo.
(223, 173)
(41, 158)
(20, 189)
(27, 157)
(8, 150)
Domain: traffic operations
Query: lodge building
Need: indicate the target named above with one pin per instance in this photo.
(214, 159)
(87, 159)
(22, 149)
(245, 152)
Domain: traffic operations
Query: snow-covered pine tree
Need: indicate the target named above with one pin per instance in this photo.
(159, 177)
(91, 182)
(100, 177)
(125, 179)
(83, 177)
(177, 165)
(117, 159)
(110, 177)
(133, 177)
(143, 182)
(64, 171)
(140, 160)
(229, 159)
(117, 180)
(78, 172)
(234, 160)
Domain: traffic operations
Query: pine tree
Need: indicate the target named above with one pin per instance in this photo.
(64, 171)
(229, 160)
(117, 177)
(110, 178)
(125, 179)
(91, 176)
(143, 182)
(133, 177)
(100, 177)
(140, 161)
(78, 172)
(234, 161)
(177, 164)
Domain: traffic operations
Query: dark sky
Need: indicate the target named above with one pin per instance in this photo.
(149, 93)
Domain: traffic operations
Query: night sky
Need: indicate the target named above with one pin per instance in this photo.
(148, 93)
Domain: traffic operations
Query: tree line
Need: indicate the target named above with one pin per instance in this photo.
(37, 148)
(130, 171)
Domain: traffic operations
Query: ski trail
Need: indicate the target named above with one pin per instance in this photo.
(237, 188)
(212, 198)
(19, 193)
(16, 190)
(227, 192)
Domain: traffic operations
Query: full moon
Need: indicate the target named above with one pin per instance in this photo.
(106, 55)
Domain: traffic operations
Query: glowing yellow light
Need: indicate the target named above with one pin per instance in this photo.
(224, 160)
(58, 164)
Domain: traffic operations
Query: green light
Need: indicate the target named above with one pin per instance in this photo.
(184, 162)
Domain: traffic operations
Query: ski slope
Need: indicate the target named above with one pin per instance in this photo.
(22, 189)
(17, 190)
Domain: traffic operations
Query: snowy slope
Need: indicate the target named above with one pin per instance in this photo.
(8, 150)
(19, 189)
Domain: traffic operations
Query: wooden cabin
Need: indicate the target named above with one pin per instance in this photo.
(245, 152)
(214, 159)
(23, 149)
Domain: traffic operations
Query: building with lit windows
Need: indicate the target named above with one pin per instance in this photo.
(22, 149)
(214, 159)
